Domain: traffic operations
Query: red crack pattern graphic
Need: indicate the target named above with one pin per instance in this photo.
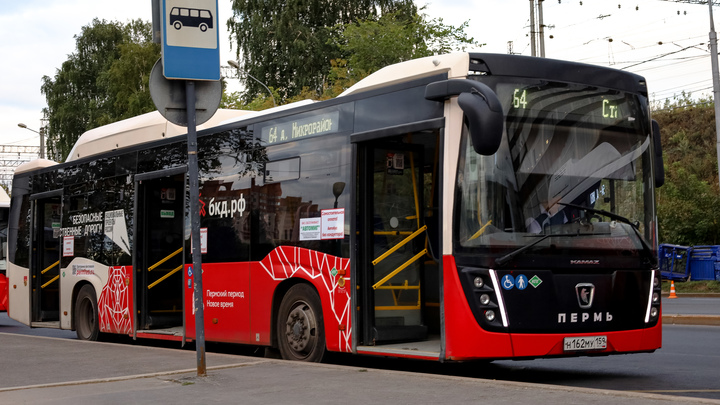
(114, 304)
(325, 272)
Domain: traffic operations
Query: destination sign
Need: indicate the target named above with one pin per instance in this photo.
(547, 100)
(293, 130)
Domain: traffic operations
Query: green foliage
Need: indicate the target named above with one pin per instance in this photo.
(318, 48)
(128, 79)
(286, 44)
(104, 80)
(289, 46)
(688, 201)
(395, 37)
(685, 207)
(693, 286)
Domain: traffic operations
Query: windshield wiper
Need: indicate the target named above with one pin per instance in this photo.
(501, 261)
(634, 225)
(601, 212)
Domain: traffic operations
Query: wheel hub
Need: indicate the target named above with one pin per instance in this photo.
(300, 329)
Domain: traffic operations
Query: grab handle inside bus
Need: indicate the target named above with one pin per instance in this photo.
(482, 108)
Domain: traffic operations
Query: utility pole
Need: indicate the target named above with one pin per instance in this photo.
(537, 29)
(533, 32)
(716, 81)
(541, 24)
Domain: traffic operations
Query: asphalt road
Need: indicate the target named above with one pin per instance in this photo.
(685, 366)
(691, 306)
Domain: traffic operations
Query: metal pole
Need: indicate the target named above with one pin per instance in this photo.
(541, 30)
(716, 80)
(42, 142)
(195, 228)
(533, 52)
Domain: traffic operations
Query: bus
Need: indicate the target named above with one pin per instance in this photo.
(459, 207)
(4, 212)
(191, 17)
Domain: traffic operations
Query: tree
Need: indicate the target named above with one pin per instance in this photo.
(394, 37)
(128, 79)
(91, 89)
(690, 196)
(288, 44)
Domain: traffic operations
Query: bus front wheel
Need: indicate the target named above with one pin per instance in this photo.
(86, 314)
(300, 325)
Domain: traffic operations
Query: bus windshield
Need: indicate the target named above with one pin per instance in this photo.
(571, 182)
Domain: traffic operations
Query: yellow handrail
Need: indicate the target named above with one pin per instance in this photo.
(50, 267)
(480, 232)
(399, 269)
(161, 279)
(391, 233)
(50, 282)
(415, 190)
(398, 307)
(173, 254)
(399, 245)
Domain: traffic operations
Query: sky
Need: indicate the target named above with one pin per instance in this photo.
(665, 41)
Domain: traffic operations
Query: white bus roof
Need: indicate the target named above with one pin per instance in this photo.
(455, 64)
(137, 130)
(153, 126)
(33, 165)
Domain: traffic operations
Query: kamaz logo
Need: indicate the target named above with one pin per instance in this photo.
(584, 261)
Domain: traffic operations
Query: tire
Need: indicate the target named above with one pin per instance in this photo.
(203, 27)
(86, 314)
(177, 25)
(300, 331)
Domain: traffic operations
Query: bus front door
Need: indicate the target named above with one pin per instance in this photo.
(393, 186)
(160, 255)
(45, 265)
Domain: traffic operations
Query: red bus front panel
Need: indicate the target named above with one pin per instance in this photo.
(467, 339)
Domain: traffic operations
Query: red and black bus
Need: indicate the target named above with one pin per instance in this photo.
(456, 207)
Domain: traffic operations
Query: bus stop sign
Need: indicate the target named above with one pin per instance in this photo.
(190, 35)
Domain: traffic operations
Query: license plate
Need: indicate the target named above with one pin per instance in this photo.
(585, 343)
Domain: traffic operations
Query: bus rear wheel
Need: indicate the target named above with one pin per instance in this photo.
(86, 314)
(300, 329)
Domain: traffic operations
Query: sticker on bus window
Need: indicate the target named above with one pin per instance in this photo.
(310, 228)
(68, 246)
(333, 223)
(395, 163)
(167, 194)
(203, 240)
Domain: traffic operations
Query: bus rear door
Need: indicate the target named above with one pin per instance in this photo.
(159, 255)
(45, 261)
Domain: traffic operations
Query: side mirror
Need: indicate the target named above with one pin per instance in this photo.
(482, 109)
(658, 160)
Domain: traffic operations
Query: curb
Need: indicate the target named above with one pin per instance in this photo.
(701, 320)
(692, 295)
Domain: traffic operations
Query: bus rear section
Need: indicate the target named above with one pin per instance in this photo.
(4, 216)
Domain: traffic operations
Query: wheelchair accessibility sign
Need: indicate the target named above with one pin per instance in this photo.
(509, 282)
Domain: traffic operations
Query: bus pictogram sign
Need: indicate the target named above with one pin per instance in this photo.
(190, 40)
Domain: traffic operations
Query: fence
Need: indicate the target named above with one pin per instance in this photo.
(689, 263)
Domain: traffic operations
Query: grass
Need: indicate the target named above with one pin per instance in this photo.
(693, 286)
